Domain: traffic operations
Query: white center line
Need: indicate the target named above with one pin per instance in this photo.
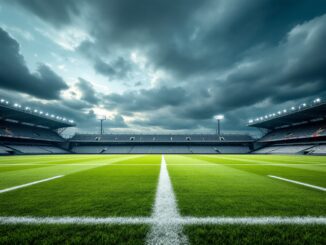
(165, 230)
(298, 183)
(29, 184)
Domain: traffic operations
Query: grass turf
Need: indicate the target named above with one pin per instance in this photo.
(268, 234)
(225, 189)
(69, 234)
(125, 185)
(109, 190)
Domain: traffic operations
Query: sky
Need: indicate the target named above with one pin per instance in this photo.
(160, 65)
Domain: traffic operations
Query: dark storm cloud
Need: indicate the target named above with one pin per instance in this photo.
(188, 37)
(119, 68)
(14, 74)
(147, 99)
(294, 69)
(221, 56)
(88, 92)
(58, 12)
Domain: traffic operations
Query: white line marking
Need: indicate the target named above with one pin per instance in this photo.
(164, 230)
(264, 220)
(299, 183)
(75, 220)
(28, 184)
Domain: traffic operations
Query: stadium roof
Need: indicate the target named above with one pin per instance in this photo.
(302, 114)
(26, 115)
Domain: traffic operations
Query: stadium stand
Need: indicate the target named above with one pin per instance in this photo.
(310, 130)
(5, 150)
(160, 149)
(28, 149)
(160, 138)
(160, 143)
(17, 130)
(318, 150)
(300, 131)
(27, 131)
(290, 149)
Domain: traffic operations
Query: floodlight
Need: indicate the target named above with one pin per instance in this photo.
(317, 100)
(219, 117)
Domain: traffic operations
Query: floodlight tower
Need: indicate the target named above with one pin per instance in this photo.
(218, 118)
(101, 121)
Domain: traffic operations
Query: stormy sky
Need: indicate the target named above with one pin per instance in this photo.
(160, 65)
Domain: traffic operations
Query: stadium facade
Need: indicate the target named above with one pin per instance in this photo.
(300, 130)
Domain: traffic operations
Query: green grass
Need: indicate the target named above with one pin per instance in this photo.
(68, 234)
(268, 234)
(125, 185)
(227, 189)
(105, 190)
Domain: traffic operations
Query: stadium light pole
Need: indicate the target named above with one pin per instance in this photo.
(218, 118)
(101, 120)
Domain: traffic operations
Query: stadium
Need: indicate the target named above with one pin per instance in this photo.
(162, 122)
(285, 168)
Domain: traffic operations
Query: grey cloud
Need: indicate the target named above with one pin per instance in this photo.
(220, 56)
(58, 12)
(88, 92)
(14, 74)
(147, 99)
(117, 69)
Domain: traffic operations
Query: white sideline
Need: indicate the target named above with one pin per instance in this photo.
(298, 183)
(28, 184)
(164, 230)
(264, 220)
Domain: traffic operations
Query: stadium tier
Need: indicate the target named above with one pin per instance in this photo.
(20, 131)
(27, 131)
(297, 131)
(306, 131)
(160, 149)
(163, 138)
(160, 143)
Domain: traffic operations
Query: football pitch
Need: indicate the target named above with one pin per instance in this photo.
(170, 199)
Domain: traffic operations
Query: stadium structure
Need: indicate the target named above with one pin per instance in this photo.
(300, 130)
(162, 188)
